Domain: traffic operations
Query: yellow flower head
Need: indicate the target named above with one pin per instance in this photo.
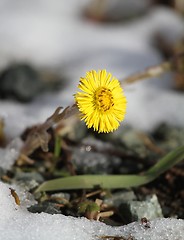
(102, 102)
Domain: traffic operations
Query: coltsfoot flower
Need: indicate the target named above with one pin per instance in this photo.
(102, 102)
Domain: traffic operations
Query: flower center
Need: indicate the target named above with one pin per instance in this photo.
(103, 99)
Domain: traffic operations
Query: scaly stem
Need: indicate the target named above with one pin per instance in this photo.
(154, 71)
(148, 73)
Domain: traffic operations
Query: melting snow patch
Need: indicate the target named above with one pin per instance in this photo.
(9, 154)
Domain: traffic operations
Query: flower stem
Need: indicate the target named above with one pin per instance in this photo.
(150, 72)
(154, 71)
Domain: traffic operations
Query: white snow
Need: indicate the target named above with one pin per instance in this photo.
(9, 154)
(16, 223)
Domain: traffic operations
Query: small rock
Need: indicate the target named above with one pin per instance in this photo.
(94, 163)
(29, 176)
(135, 210)
(20, 81)
(46, 207)
(23, 82)
(91, 161)
(119, 197)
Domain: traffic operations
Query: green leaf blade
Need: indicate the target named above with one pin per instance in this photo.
(114, 181)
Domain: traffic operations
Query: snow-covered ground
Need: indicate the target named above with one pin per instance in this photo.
(52, 34)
